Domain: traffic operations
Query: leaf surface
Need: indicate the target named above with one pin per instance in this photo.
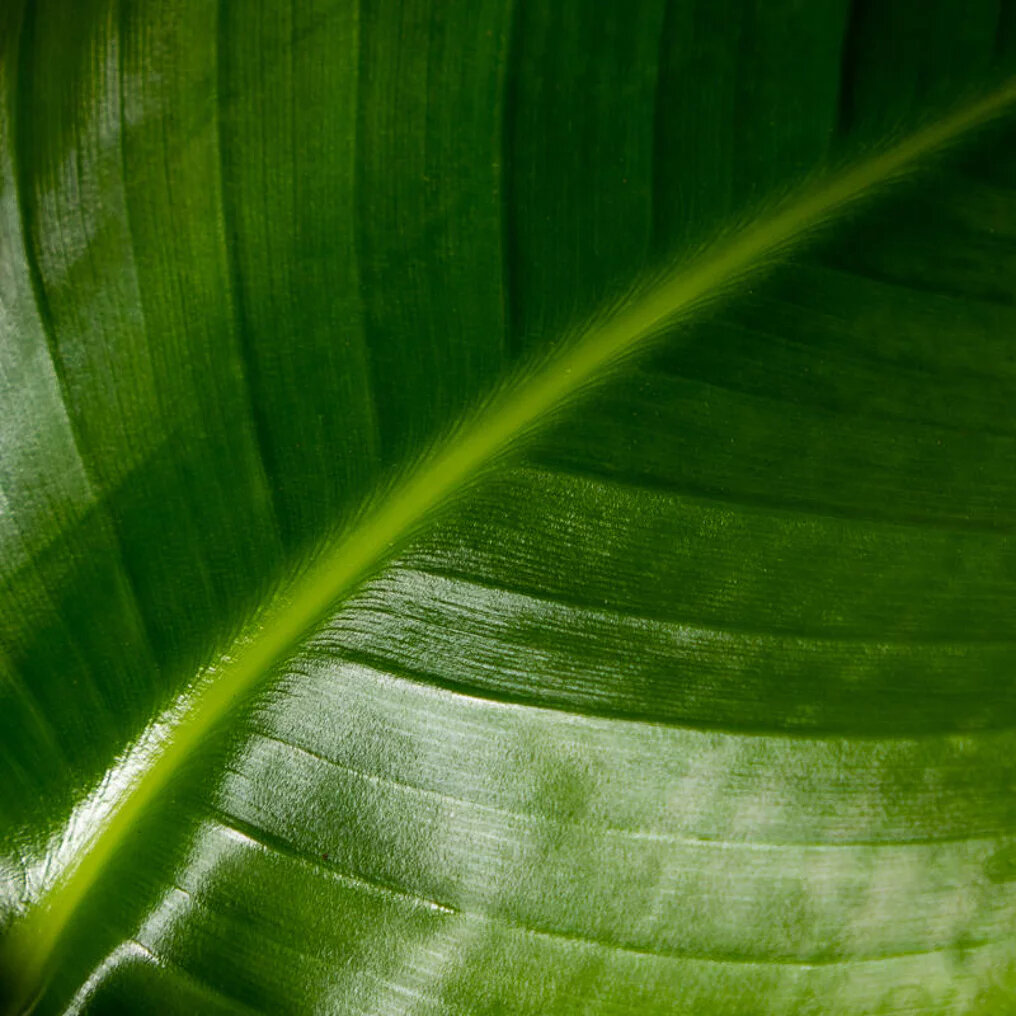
(415, 599)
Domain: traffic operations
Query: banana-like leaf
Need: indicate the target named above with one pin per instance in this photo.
(507, 507)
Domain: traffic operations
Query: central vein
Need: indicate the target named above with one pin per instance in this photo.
(513, 411)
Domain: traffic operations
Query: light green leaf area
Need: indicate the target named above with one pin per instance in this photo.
(507, 507)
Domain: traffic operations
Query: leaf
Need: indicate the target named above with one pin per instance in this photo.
(378, 635)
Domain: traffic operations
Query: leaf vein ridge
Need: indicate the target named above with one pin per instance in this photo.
(705, 842)
(275, 844)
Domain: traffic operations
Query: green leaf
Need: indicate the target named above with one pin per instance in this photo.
(507, 507)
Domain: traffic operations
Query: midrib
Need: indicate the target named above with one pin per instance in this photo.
(512, 412)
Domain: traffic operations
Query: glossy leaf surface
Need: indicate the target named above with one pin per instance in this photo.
(396, 617)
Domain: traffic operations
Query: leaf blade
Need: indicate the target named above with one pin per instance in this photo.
(512, 413)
